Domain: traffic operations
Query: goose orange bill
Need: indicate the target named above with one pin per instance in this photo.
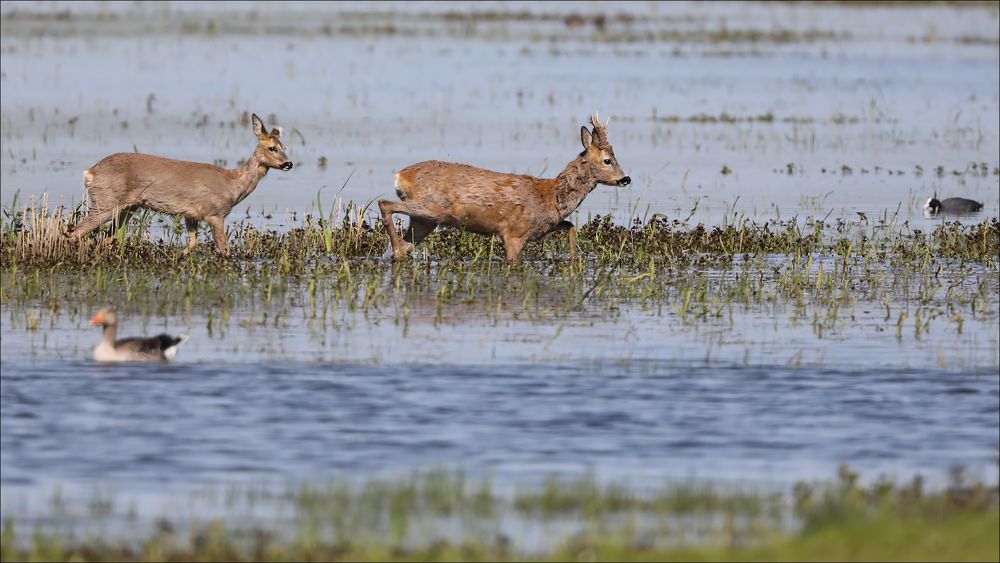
(98, 319)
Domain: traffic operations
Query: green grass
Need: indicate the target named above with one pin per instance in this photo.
(444, 516)
(32, 236)
(812, 272)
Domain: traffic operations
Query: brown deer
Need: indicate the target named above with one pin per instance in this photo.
(199, 192)
(516, 207)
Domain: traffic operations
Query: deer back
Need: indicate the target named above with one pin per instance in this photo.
(191, 189)
(474, 198)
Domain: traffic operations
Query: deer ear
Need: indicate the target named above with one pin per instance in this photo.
(586, 138)
(258, 126)
(276, 132)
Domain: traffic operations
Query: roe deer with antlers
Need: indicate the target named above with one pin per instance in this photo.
(198, 192)
(516, 207)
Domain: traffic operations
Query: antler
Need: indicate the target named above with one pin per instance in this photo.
(602, 138)
(596, 121)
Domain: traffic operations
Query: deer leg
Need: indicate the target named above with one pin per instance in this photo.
(513, 245)
(192, 231)
(418, 230)
(95, 218)
(572, 242)
(219, 233)
(567, 226)
(399, 247)
(121, 219)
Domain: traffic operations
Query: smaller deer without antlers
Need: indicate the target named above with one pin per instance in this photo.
(518, 208)
(198, 192)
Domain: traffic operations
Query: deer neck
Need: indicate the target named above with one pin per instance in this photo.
(248, 176)
(572, 185)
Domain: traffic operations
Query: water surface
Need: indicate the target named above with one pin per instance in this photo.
(760, 111)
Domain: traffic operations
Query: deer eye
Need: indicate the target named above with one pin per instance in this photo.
(273, 149)
(607, 161)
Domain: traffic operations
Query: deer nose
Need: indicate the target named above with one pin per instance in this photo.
(287, 165)
(625, 181)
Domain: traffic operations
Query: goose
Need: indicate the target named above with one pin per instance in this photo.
(952, 205)
(160, 348)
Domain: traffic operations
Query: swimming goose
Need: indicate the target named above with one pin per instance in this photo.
(160, 348)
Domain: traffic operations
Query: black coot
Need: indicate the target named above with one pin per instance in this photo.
(952, 205)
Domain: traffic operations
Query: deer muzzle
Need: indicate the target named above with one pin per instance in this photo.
(625, 181)
(286, 165)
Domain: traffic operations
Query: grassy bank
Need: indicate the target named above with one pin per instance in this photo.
(445, 516)
(33, 236)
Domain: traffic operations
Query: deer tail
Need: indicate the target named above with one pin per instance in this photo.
(88, 187)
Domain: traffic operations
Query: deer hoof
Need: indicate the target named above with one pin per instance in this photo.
(403, 251)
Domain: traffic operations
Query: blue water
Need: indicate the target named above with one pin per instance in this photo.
(192, 423)
(643, 396)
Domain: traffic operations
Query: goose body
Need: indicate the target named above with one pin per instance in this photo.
(160, 348)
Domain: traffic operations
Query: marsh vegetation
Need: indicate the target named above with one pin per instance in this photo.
(444, 516)
(813, 270)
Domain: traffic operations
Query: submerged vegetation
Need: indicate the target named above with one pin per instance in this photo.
(813, 270)
(440, 515)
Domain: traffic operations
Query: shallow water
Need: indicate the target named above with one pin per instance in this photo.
(383, 90)
(627, 390)
(763, 393)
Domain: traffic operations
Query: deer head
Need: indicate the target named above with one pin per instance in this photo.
(600, 156)
(269, 146)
